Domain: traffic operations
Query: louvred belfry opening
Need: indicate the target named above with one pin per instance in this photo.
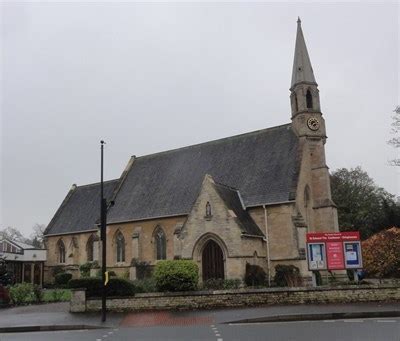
(212, 261)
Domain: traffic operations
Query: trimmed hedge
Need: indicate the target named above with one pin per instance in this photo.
(62, 279)
(176, 275)
(287, 276)
(255, 275)
(117, 287)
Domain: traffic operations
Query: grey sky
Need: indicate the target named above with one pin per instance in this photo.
(151, 77)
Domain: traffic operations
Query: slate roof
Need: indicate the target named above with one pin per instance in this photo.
(232, 200)
(80, 209)
(263, 165)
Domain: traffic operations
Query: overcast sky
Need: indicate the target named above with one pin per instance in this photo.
(152, 77)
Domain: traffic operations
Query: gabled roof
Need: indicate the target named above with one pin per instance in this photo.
(302, 69)
(263, 165)
(80, 209)
(231, 197)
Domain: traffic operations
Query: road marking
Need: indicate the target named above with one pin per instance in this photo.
(110, 333)
(98, 339)
(353, 320)
(116, 329)
(218, 335)
(329, 320)
(391, 321)
(220, 340)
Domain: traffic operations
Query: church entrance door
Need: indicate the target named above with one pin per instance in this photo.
(212, 261)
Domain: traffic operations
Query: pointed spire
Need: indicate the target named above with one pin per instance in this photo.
(302, 69)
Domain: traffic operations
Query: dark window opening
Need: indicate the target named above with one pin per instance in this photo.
(309, 100)
(161, 244)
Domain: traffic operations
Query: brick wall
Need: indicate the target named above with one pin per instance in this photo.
(240, 298)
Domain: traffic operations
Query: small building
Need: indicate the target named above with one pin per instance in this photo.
(24, 261)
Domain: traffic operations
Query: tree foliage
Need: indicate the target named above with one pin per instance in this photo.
(395, 141)
(381, 254)
(362, 205)
(6, 277)
(12, 233)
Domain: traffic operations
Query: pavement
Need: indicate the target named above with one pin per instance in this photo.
(55, 316)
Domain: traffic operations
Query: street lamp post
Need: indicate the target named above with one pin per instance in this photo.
(103, 234)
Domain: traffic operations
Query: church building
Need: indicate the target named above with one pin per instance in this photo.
(249, 198)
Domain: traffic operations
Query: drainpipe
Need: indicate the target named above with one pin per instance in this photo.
(267, 239)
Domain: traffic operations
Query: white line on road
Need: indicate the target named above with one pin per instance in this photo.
(219, 339)
(98, 339)
(353, 320)
(329, 320)
(391, 321)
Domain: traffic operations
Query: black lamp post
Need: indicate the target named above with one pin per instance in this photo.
(103, 235)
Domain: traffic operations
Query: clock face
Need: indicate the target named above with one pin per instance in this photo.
(313, 123)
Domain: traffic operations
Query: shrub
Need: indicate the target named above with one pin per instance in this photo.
(62, 279)
(381, 256)
(146, 285)
(287, 276)
(84, 269)
(57, 270)
(232, 283)
(255, 275)
(176, 275)
(57, 295)
(37, 294)
(6, 277)
(4, 296)
(20, 293)
(221, 284)
(143, 269)
(118, 287)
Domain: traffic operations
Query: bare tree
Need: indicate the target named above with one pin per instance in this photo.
(395, 141)
(36, 238)
(12, 233)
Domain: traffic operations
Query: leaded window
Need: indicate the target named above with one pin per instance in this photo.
(161, 244)
(120, 241)
(61, 252)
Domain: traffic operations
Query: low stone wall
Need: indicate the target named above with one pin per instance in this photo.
(238, 298)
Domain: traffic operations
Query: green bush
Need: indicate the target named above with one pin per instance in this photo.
(176, 275)
(57, 270)
(145, 285)
(255, 275)
(84, 269)
(38, 294)
(62, 279)
(57, 295)
(221, 284)
(287, 276)
(143, 269)
(21, 293)
(117, 287)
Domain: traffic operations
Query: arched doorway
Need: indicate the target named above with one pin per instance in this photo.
(212, 261)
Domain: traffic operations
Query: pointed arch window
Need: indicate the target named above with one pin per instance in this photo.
(91, 248)
(296, 103)
(160, 243)
(309, 100)
(61, 251)
(120, 243)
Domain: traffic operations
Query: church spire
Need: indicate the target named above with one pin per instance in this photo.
(302, 69)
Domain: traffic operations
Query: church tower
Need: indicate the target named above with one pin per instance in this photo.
(309, 126)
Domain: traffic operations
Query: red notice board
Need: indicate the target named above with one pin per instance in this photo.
(340, 253)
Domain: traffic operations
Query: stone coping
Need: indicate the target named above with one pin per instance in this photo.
(250, 291)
